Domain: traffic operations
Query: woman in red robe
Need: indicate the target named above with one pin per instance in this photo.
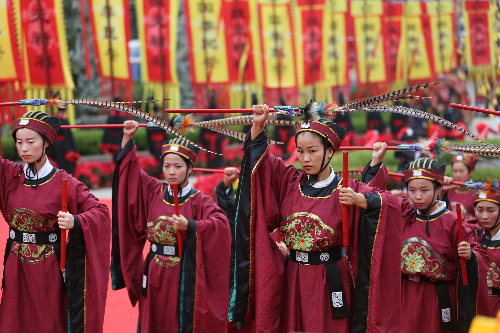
(314, 290)
(487, 211)
(430, 253)
(463, 166)
(187, 294)
(37, 296)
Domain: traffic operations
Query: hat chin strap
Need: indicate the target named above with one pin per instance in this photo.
(426, 212)
(323, 165)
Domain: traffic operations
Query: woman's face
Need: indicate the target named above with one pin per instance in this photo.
(29, 144)
(460, 172)
(174, 169)
(421, 193)
(310, 151)
(486, 213)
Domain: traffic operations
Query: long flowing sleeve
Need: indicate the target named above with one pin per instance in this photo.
(87, 259)
(205, 271)
(132, 189)
(375, 176)
(375, 253)
(473, 298)
(263, 182)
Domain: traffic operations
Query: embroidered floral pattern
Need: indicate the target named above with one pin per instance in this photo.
(305, 231)
(493, 276)
(414, 263)
(162, 231)
(418, 257)
(24, 219)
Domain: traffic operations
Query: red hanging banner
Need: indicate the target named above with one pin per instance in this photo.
(478, 45)
(42, 44)
(239, 44)
(394, 12)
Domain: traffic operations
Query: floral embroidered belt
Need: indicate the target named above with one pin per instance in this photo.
(493, 291)
(164, 249)
(317, 258)
(40, 237)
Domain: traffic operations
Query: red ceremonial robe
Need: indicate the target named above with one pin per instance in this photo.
(293, 297)
(188, 295)
(435, 258)
(33, 298)
(465, 199)
(491, 269)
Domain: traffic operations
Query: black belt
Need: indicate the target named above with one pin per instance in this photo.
(329, 258)
(444, 300)
(494, 291)
(40, 238)
(317, 258)
(160, 249)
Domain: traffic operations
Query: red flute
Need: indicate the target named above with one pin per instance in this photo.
(345, 214)
(64, 183)
(176, 205)
(465, 280)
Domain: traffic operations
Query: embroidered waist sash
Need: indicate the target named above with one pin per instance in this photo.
(444, 300)
(329, 258)
(40, 238)
(160, 249)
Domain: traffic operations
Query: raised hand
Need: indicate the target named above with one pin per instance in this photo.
(379, 150)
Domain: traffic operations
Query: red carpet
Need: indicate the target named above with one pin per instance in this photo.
(120, 315)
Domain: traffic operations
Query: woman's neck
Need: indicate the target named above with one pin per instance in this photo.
(494, 231)
(39, 165)
(324, 174)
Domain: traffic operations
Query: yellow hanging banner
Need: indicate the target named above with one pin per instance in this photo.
(278, 47)
(369, 41)
(205, 32)
(111, 30)
(441, 19)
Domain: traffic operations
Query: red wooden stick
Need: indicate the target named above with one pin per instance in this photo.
(99, 126)
(465, 280)
(176, 205)
(345, 215)
(209, 170)
(9, 103)
(64, 184)
(249, 110)
(473, 108)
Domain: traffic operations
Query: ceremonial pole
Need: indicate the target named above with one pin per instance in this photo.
(64, 190)
(465, 280)
(176, 205)
(345, 212)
